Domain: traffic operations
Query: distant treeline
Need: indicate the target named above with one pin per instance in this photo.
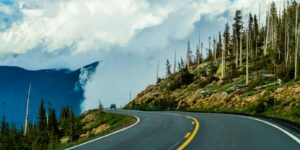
(45, 134)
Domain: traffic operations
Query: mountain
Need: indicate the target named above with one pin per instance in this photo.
(249, 69)
(193, 90)
(56, 87)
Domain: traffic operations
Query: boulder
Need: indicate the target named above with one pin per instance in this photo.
(100, 129)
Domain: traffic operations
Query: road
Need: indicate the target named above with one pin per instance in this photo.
(195, 131)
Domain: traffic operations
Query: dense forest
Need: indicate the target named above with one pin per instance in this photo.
(45, 134)
(252, 49)
(52, 131)
(252, 67)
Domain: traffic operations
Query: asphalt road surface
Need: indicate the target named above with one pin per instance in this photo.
(196, 131)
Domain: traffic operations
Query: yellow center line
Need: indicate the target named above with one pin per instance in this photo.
(192, 135)
(187, 135)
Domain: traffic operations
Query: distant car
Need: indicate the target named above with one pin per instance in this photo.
(113, 106)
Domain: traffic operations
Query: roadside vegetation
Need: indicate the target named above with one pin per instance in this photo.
(50, 132)
(249, 69)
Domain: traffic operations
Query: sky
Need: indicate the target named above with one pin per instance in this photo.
(129, 36)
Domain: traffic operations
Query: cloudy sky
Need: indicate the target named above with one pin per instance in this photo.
(130, 36)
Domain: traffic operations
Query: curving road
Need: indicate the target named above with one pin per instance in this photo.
(195, 131)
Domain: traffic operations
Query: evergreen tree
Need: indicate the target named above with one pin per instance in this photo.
(17, 138)
(52, 128)
(296, 41)
(181, 65)
(52, 121)
(168, 68)
(226, 37)
(255, 35)
(211, 64)
(198, 56)
(100, 109)
(4, 132)
(189, 55)
(42, 127)
(219, 46)
(237, 35)
(73, 130)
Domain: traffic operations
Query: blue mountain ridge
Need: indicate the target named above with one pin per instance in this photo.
(57, 87)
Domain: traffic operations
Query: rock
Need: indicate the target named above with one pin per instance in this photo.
(86, 135)
(88, 118)
(100, 129)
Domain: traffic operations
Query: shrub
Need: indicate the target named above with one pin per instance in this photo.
(184, 77)
(264, 104)
(259, 108)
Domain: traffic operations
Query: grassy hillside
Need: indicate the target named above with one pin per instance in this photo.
(94, 123)
(194, 90)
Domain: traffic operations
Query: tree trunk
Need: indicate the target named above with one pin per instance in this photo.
(297, 44)
(236, 51)
(241, 51)
(175, 62)
(285, 44)
(224, 62)
(247, 60)
(27, 111)
(267, 35)
(157, 70)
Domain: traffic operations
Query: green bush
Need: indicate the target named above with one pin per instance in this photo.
(264, 104)
(183, 77)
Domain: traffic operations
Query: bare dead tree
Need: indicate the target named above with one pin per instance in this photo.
(27, 110)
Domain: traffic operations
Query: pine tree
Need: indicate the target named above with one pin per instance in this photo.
(215, 49)
(73, 126)
(226, 37)
(219, 46)
(100, 109)
(52, 121)
(211, 64)
(247, 59)
(181, 65)
(296, 42)
(175, 61)
(42, 127)
(189, 55)
(52, 128)
(237, 35)
(256, 57)
(168, 68)
(250, 36)
(17, 138)
(256, 34)
(198, 56)
(4, 132)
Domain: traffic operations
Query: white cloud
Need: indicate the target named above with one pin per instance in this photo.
(72, 33)
(80, 25)
(83, 25)
(5, 9)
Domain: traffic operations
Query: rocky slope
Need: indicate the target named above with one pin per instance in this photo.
(193, 90)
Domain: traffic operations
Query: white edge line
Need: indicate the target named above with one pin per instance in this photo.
(123, 129)
(277, 127)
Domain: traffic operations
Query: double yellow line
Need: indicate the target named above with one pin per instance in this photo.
(189, 136)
